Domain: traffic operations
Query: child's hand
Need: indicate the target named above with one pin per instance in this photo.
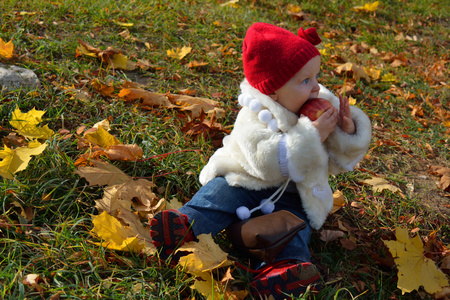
(326, 123)
(345, 117)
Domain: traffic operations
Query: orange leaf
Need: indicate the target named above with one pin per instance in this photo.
(6, 49)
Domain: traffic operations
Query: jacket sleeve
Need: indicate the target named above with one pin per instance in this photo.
(346, 150)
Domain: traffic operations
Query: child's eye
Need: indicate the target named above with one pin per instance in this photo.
(305, 81)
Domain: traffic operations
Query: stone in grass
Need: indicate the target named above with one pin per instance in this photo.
(14, 77)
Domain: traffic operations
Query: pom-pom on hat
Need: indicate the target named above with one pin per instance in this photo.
(273, 55)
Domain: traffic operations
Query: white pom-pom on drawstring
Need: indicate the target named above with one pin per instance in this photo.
(255, 106)
(247, 99)
(273, 125)
(243, 213)
(241, 99)
(265, 116)
(267, 206)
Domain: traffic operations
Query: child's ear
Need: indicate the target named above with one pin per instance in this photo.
(274, 97)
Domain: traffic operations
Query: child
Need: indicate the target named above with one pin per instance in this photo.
(270, 145)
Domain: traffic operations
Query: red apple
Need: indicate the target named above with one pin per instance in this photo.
(314, 108)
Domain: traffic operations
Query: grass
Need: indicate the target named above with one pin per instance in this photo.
(54, 206)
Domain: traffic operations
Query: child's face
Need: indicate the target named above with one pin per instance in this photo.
(303, 86)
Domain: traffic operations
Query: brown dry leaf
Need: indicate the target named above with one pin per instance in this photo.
(358, 71)
(141, 192)
(183, 102)
(196, 104)
(347, 89)
(15, 140)
(197, 64)
(135, 224)
(444, 183)
(147, 98)
(202, 127)
(124, 152)
(348, 244)
(380, 184)
(330, 235)
(113, 57)
(103, 174)
(111, 202)
(104, 89)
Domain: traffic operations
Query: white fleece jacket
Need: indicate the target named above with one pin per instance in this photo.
(255, 157)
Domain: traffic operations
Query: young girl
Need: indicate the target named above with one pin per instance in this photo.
(272, 147)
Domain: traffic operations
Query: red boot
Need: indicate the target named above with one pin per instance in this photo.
(285, 278)
(169, 230)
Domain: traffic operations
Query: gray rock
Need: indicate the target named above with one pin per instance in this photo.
(14, 77)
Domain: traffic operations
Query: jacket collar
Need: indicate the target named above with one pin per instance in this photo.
(285, 119)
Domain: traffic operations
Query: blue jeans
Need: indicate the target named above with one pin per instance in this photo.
(214, 206)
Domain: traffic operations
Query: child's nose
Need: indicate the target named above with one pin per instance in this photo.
(316, 87)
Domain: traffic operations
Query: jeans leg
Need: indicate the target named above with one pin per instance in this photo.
(214, 206)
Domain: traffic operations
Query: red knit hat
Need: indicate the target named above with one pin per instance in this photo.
(273, 55)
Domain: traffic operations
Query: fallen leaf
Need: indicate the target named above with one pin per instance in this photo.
(102, 138)
(103, 174)
(330, 235)
(338, 201)
(444, 183)
(114, 234)
(380, 184)
(179, 53)
(123, 23)
(32, 280)
(6, 49)
(206, 285)
(388, 78)
(15, 160)
(136, 226)
(368, 7)
(26, 124)
(206, 255)
(414, 269)
(124, 152)
(120, 61)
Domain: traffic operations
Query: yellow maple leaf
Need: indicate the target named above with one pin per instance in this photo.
(102, 138)
(179, 53)
(414, 269)
(115, 235)
(6, 49)
(206, 255)
(206, 285)
(388, 78)
(351, 100)
(368, 7)
(373, 73)
(120, 61)
(26, 124)
(17, 160)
